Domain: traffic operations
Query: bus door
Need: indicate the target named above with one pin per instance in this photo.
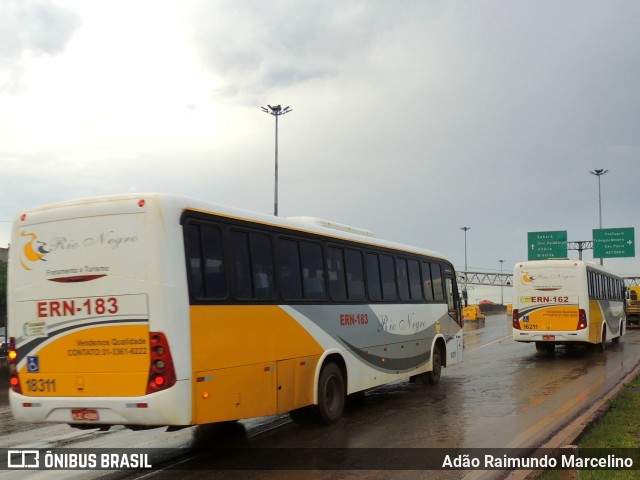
(454, 328)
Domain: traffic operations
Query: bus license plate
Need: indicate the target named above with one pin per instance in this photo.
(85, 414)
(548, 337)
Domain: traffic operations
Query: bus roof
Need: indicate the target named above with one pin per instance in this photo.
(564, 262)
(180, 204)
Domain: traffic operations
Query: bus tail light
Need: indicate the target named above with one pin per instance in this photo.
(516, 319)
(12, 355)
(162, 374)
(582, 319)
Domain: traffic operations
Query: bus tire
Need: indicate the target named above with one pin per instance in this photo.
(621, 332)
(331, 393)
(433, 377)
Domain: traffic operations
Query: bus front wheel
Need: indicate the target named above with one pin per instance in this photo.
(433, 377)
(331, 393)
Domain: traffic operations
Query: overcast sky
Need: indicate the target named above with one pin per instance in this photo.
(410, 118)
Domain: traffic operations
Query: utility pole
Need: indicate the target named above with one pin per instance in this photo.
(501, 286)
(464, 292)
(599, 173)
(276, 111)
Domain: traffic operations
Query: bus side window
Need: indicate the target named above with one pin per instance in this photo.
(240, 268)
(214, 277)
(373, 276)
(312, 270)
(262, 265)
(355, 274)
(438, 294)
(335, 272)
(427, 284)
(388, 276)
(289, 269)
(194, 260)
(403, 279)
(414, 280)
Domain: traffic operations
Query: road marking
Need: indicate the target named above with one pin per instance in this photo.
(491, 343)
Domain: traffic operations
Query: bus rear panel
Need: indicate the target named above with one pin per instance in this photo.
(80, 321)
(546, 303)
(558, 302)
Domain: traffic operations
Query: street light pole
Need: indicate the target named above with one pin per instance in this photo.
(501, 285)
(598, 173)
(464, 292)
(276, 111)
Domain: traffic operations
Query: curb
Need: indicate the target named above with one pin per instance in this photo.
(576, 427)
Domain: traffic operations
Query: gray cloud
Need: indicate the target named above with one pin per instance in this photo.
(254, 46)
(32, 28)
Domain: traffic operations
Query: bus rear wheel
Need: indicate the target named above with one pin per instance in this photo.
(601, 345)
(331, 394)
(620, 333)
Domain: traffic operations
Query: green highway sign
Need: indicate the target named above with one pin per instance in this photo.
(543, 245)
(614, 242)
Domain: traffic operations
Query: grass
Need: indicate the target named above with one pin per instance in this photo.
(618, 428)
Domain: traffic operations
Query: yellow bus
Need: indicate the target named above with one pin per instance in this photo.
(561, 302)
(472, 312)
(150, 310)
(632, 304)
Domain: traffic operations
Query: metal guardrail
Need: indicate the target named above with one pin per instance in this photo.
(484, 278)
(506, 279)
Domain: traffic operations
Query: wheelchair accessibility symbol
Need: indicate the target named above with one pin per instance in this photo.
(33, 365)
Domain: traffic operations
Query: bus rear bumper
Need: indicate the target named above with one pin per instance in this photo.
(557, 337)
(168, 407)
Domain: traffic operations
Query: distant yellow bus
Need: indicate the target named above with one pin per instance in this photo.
(150, 310)
(509, 309)
(560, 302)
(632, 305)
(472, 312)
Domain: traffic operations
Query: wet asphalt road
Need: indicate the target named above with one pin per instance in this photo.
(504, 394)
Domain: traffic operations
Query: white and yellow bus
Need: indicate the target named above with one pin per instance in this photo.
(632, 304)
(149, 310)
(561, 302)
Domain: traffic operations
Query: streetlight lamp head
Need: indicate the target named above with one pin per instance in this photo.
(276, 110)
(598, 172)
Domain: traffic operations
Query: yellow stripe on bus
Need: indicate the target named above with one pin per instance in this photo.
(263, 362)
(559, 318)
(93, 362)
(595, 321)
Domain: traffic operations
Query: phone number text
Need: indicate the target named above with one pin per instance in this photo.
(79, 352)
